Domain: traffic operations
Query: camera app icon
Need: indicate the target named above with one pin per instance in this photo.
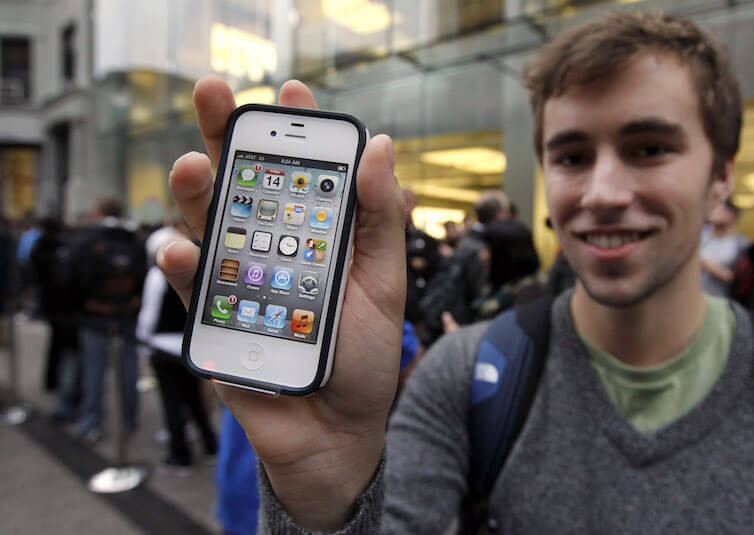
(327, 185)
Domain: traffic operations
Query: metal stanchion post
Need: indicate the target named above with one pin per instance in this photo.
(122, 476)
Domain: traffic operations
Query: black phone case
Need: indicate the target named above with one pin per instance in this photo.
(339, 266)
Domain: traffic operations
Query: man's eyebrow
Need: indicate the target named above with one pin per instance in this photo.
(650, 126)
(563, 138)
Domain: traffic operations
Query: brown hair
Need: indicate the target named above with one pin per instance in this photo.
(599, 49)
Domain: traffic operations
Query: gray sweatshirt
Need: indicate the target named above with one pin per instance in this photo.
(578, 467)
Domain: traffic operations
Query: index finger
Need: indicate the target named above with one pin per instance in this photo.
(214, 103)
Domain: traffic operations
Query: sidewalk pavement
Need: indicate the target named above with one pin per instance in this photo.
(44, 470)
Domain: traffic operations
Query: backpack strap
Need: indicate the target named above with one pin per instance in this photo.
(508, 367)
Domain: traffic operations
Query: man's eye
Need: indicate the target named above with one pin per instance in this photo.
(571, 160)
(651, 151)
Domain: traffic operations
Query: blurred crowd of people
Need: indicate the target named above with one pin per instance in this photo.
(106, 302)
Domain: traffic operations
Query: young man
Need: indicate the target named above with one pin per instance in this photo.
(642, 419)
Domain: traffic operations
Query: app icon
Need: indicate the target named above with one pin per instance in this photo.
(282, 278)
(315, 250)
(241, 206)
(235, 238)
(248, 311)
(274, 316)
(273, 178)
(308, 283)
(222, 306)
(229, 269)
(294, 213)
(321, 217)
(254, 274)
(267, 210)
(247, 174)
(302, 321)
(300, 181)
(327, 185)
(288, 245)
(261, 241)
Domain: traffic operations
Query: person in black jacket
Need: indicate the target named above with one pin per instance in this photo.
(110, 268)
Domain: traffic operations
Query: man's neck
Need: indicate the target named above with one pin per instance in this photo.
(648, 333)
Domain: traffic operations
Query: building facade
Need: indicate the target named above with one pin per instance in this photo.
(103, 106)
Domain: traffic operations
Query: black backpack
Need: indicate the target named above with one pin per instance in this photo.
(454, 288)
(112, 269)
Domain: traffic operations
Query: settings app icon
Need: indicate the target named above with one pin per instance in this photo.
(308, 283)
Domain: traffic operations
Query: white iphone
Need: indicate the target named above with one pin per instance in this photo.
(266, 305)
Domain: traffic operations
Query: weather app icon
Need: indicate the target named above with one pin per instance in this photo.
(321, 218)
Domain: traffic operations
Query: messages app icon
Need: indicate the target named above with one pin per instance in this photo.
(247, 175)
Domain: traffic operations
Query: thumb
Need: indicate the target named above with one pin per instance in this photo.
(379, 260)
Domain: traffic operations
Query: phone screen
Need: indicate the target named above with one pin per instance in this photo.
(274, 255)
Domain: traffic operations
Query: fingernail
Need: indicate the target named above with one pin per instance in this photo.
(390, 153)
(161, 252)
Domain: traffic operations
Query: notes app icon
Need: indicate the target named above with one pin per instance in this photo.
(235, 238)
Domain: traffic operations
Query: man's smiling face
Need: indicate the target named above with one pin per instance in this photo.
(627, 170)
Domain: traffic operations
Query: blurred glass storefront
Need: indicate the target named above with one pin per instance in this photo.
(442, 77)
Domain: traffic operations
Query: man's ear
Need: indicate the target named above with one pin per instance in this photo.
(723, 185)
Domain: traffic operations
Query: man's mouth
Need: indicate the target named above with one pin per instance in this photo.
(612, 240)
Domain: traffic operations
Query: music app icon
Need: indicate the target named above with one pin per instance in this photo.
(302, 321)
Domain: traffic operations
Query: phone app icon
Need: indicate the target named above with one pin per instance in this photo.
(267, 210)
(274, 316)
(254, 274)
(321, 217)
(241, 206)
(308, 283)
(302, 321)
(315, 250)
(261, 241)
(288, 245)
(248, 311)
(301, 181)
(222, 306)
(273, 179)
(235, 238)
(229, 270)
(294, 213)
(327, 185)
(282, 278)
(247, 174)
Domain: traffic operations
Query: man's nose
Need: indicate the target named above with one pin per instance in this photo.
(609, 185)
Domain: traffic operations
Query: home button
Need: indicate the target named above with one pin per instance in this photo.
(253, 358)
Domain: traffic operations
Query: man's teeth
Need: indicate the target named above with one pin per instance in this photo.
(611, 241)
